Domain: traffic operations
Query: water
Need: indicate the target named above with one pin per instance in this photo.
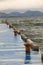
(12, 50)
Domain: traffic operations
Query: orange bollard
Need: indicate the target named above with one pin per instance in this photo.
(18, 31)
(27, 47)
(33, 46)
(10, 26)
(28, 44)
(15, 32)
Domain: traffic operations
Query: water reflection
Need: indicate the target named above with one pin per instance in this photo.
(27, 58)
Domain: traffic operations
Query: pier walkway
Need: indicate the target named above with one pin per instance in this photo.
(12, 50)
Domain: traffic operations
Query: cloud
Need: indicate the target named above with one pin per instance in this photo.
(2, 0)
(21, 4)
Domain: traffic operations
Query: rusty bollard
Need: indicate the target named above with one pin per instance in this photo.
(33, 46)
(27, 47)
(15, 32)
(10, 26)
(18, 31)
(27, 51)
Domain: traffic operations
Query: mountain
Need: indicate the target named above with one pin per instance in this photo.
(33, 13)
(19, 14)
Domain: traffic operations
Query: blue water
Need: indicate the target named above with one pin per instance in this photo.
(12, 50)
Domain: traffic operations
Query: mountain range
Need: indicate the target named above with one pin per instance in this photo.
(19, 14)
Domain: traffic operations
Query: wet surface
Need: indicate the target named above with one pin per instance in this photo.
(12, 50)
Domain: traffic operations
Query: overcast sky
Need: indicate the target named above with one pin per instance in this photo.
(21, 4)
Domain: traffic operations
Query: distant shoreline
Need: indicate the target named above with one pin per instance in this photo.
(22, 17)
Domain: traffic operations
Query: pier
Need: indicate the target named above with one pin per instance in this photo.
(16, 48)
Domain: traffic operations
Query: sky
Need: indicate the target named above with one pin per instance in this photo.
(21, 4)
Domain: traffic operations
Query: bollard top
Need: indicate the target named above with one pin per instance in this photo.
(27, 45)
(28, 42)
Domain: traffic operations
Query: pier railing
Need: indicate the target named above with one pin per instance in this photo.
(28, 43)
